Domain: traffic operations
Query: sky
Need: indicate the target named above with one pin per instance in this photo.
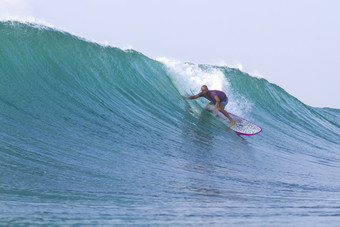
(292, 43)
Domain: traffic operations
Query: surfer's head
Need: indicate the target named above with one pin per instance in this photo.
(204, 89)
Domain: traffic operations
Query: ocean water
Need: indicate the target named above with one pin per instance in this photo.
(95, 135)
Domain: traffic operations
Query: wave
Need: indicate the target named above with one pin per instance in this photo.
(87, 123)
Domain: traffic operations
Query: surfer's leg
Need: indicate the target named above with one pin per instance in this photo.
(207, 106)
(225, 113)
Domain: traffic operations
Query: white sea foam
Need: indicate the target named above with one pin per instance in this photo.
(189, 77)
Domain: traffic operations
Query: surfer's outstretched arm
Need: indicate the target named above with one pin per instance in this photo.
(191, 97)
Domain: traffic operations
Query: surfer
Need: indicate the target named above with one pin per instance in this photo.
(218, 98)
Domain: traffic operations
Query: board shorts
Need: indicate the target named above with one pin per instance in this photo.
(224, 103)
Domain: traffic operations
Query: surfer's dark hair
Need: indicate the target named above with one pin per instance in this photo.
(205, 86)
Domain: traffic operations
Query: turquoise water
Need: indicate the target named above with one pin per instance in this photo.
(95, 135)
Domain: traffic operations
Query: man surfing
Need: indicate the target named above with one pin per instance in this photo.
(218, 98)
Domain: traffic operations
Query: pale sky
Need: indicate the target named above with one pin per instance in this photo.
(292, 43)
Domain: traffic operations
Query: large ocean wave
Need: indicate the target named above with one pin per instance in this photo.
(92, 134)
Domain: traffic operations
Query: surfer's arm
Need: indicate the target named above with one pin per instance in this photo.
(217, 103)
(191, 97)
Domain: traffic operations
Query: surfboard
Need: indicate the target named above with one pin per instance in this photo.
(241, 126)
(244, 127)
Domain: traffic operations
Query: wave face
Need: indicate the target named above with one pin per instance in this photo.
(92, 134)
